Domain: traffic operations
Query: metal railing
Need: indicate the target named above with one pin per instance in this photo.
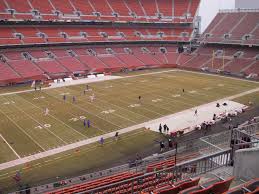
(238, 10)
(181, 171)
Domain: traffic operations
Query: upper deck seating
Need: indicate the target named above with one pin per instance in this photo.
(107, 10)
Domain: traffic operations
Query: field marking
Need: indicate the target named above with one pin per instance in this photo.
(97, 138)
(133, 99)
(69, 155)
(79, 107)
(19, 127)
(130, 76)
(114, 104)
(94, 126)
(39, 123)
(94, 104)
(10, 146)
(53, 116)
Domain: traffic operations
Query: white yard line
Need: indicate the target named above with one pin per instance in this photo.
(39, 123)
(10, 146)
(19, 127)
(97, 138)
(55, 118)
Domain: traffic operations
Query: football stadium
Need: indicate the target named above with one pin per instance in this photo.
(129, 96)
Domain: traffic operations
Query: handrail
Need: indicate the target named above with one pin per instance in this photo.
(173, 170)
(238, 10)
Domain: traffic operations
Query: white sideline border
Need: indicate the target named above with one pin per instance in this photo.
(10, 146)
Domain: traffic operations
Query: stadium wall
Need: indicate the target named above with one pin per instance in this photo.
(247, 4)
(246, 163)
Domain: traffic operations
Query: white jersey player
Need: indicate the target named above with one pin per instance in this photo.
(46, 112)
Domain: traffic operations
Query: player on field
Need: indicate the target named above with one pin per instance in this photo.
(92, 98)
(74, 99)
(64, 97)
(46, 112)
(139, 99)
(85, 122)
(88, 123)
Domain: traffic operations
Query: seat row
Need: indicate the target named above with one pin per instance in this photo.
(235, 60)
(110, 10)
(18, 66)
(59, 34)
(233, 28)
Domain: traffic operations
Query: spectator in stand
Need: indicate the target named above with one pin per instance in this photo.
(162, 146)
(170, 144)
(165, 128)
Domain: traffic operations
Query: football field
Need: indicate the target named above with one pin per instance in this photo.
(26, 130)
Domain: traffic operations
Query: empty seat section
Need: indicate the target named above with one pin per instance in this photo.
(253, 69)
(3, 7)
(150, 7)
(44, 7)
(80, 51)
(225, 24)
(180, 7)
(7, 73)
(147, 59)
(38, 54)
(199, 61)
(237, 65)
(193, 7)
(51, 66)
(96, 183)
(25, 68)
(50, 31)
(72, 64)
(59, 52)
(135, 7)
(13, 55)
(247, 25)
(119, 7)
(6, 32)
(27, 31)
(92, 62)
(71, 31)
(83, 6)
(63, 5)
(111, 61)
(19, 6)
(165, 7)
(172, 57)
(161, 58)
(214, 22)
(184, 58)
(103, 7)
(130, 60)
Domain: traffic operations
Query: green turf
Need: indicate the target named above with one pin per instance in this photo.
(22, 114)
(250, 98)
(76, 162)
(28, 130)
